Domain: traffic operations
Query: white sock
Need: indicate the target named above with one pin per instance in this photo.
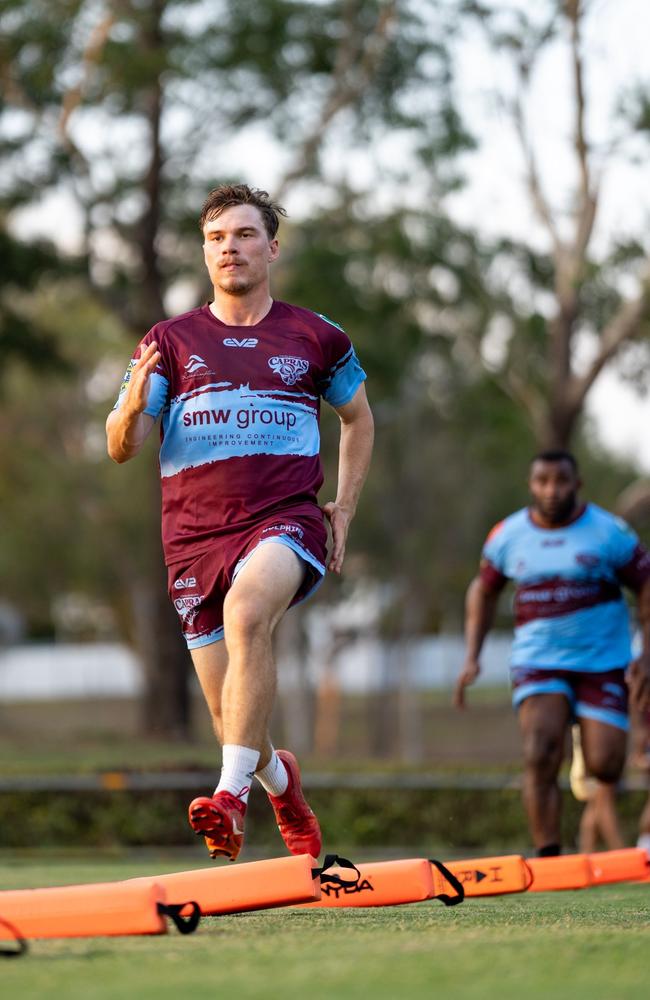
(237, 770)
(644, 842)
(274, 778)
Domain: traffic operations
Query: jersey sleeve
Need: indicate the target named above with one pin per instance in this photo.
(158, 381)
(492, 567)
(630, 558)
(342, 374)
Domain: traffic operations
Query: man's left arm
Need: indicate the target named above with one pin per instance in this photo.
(355, 449)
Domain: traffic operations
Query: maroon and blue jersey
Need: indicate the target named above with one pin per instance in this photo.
(240, 411)
(569, 609)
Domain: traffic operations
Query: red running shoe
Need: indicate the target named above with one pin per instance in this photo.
(220, 819)
(296, 821)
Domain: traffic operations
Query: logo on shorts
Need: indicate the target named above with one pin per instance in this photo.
(188, 607)
(185, 583)
(289, 369)
(285, 529)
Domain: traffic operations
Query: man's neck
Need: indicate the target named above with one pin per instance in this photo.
(244, 310)
(544, 522)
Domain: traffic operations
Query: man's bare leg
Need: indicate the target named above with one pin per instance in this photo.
(238, 679)
(543, 720)
(604, 748)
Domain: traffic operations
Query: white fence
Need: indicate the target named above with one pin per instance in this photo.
(39, 671)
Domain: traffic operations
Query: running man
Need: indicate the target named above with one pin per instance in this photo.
(571, 648)
(238, 383)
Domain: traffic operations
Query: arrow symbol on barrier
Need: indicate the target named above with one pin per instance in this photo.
(480, 875)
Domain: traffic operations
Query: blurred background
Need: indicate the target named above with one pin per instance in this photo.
(467, 191)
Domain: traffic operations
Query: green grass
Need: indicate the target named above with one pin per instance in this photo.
(591, 945)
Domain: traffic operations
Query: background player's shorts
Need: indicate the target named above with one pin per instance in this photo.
(198, 588)
(600, 695)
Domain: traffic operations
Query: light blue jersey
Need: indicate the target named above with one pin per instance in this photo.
(569, 611)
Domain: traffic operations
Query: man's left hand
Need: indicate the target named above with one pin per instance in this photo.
(339, 518)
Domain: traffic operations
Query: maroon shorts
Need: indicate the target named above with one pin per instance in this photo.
(198, 587)
(592, 694)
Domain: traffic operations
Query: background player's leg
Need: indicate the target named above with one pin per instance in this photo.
(259, 596)
(543, 720)
(604, 748)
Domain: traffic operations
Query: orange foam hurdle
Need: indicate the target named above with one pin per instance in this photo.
(256, 885)
(98, 910)
(384, 883)
(568, 871)
(490, 876)
(628, 865)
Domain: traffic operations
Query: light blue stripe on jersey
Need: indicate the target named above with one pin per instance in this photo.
(566, 642)
(344, 380)
(158, 388)
(235, 423)
(606, 715)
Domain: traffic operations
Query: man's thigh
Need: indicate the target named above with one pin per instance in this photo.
(601, 709)
(543, 721)
(265, 585)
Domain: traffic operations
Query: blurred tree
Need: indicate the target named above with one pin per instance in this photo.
(575, 298)
(129, 110)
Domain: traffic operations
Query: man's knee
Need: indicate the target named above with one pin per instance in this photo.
(606, 764)
(244, 617)
(543, 752)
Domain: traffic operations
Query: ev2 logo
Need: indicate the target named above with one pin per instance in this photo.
(246, 342)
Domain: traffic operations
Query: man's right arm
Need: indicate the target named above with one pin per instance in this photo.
(480, 609)
(128, 427)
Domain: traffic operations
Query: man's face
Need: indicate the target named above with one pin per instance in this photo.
(554, 488)
(237, 250)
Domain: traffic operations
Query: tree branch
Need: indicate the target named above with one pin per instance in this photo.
(622, 328)
(73, 97)
(354, 67)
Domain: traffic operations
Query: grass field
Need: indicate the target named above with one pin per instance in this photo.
(591, 944)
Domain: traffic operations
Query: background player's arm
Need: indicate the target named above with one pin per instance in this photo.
(128, 427)
(480, 609)
(355, 449)
(638, 675)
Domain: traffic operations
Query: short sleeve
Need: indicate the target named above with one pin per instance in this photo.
(343, 373)
(631, 560)
(158, 381)
(492, 569)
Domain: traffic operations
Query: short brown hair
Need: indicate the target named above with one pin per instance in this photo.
(227, 195)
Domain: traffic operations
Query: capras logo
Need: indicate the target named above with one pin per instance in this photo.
(182, 584)
(246, 342)
(289, 369)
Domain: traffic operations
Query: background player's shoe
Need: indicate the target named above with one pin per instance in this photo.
(296, 821)
(220, 819)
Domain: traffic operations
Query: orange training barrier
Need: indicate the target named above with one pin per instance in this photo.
(491, 876)
(388, 883)
(96, 910)
(627, 865)
(568, 871)
(256, 885)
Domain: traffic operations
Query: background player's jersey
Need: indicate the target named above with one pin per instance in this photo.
(569, 610)
(240, 416)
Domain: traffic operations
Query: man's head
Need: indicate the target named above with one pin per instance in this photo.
(228, 195)
(239, 226)
(554, 482)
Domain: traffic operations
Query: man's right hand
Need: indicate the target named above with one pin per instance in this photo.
(137, 390)
(469, 673)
